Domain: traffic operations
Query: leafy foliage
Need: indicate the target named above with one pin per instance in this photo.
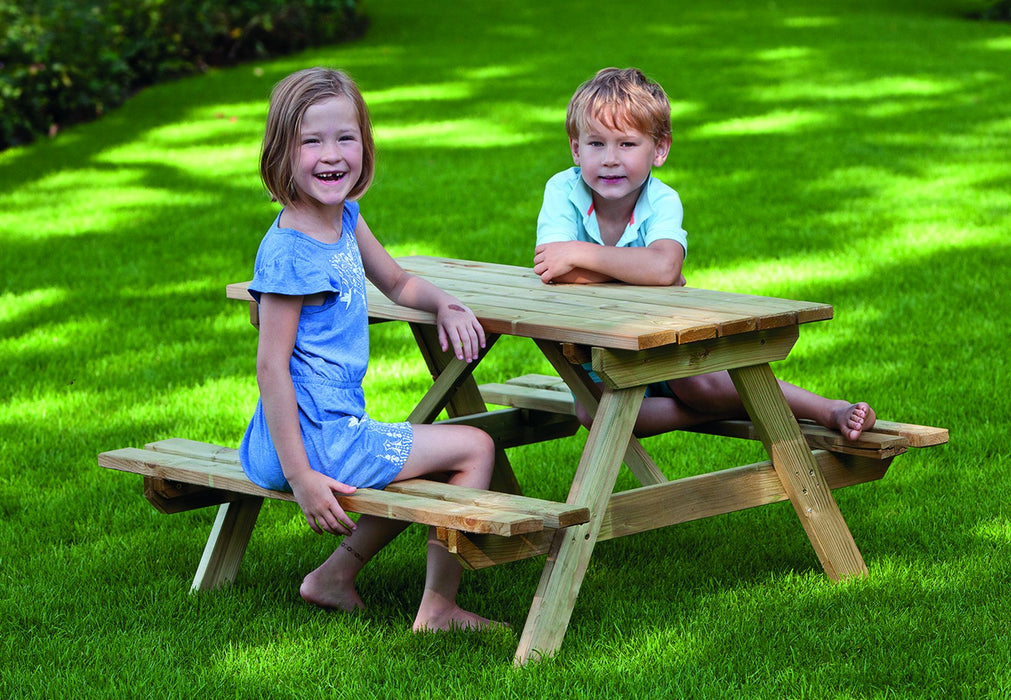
(997, 9)
(65, 61)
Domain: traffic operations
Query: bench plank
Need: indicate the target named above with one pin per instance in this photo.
(382, 503)
(551, 513)
(885, 440)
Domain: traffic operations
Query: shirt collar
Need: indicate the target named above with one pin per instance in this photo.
(581, 197)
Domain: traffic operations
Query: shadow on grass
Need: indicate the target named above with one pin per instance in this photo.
(821, 135)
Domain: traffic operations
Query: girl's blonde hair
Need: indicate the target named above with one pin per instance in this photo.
(288, 102)
(620, 99)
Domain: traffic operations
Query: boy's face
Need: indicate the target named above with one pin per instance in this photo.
(615, 162)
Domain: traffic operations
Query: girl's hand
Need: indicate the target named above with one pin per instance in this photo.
(314, 493)
(459, 328)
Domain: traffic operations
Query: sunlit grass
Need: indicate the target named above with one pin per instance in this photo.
(856, 157)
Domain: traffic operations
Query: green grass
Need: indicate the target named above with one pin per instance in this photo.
(854, 153)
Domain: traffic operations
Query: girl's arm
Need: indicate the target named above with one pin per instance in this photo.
(457, 325)
(313, 491)
(658, 264)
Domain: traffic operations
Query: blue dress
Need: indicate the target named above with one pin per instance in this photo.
(328, 364)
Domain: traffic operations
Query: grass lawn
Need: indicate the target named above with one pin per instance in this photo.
(855, 153)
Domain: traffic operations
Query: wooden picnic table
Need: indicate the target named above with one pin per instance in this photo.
(633, 336)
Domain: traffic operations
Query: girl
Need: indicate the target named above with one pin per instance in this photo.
(310, 433)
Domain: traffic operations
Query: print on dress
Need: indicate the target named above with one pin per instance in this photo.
(352, 286)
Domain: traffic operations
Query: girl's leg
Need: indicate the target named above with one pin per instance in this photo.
(332, 584)
(716, 395)
(467, 455)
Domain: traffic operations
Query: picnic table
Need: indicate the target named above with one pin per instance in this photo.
(632, 336)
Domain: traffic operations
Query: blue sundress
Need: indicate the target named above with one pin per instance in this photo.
(328, 364)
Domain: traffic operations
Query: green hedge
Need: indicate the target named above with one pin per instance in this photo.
(998, 10)
(65, 61)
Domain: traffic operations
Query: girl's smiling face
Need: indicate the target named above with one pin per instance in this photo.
(615, 162)
(329, 156)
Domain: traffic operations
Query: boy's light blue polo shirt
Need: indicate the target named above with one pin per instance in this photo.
(567, 214)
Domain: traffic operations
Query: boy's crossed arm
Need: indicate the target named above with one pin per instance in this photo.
(582, 262)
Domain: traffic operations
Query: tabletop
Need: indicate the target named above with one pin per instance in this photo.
(512, 300)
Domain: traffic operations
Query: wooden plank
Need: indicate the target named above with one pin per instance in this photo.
(687, 299)
(507, 394)
(519, 279)
(572, 547)
(578, 308)
(465, 398)
(226, 545)
(917, 435)
(619, 369)
(238, 291)
(870, 444)
(170, 497)
(636, 458)
(386, 504)
(671, 503)
(727, 491)
(539, 381)
(198, 450)
(886, 439)
(552, 513)
(797, 470)
(513, 300)
(513, 427)
(451, 376)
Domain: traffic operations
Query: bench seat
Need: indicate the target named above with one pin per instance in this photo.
(183, 474)
(541, 392)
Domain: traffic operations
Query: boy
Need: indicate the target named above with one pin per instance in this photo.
(608, 219)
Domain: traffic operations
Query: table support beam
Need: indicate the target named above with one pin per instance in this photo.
(799, 472)
(572, 547)
(459, 394)
(636, 458)
(233, 526)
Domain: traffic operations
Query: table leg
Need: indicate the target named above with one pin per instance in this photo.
(466, 399)
(572, 547)
(797, 469)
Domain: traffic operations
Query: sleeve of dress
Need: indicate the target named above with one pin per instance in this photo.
(283, 267)
(287, 264)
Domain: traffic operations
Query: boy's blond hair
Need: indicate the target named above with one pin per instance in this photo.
(620, 99)
(288, 102)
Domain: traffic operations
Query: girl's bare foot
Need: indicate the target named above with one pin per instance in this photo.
(852, 419)
(437, 614)
(325, 592)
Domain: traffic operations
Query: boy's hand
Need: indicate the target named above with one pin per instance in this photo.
(314, 493)
(554, 260)
(459, 329)
(559, 262)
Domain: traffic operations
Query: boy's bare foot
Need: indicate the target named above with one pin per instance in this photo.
(437, 614)
(326, 593)
(852, 419)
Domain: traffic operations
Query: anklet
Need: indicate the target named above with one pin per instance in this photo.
(356, 555)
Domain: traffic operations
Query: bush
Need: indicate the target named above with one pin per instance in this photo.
(997, 9)
(993, 10)
(65, 61)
